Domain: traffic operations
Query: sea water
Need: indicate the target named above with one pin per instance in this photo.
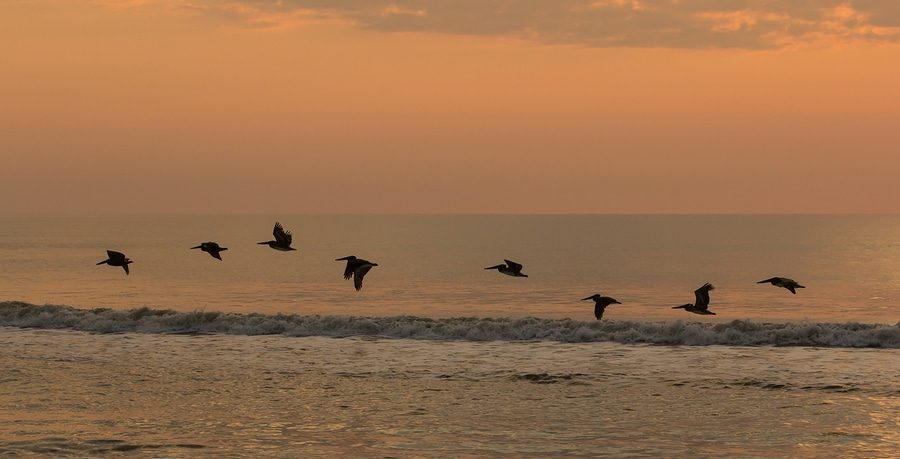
(272, 354)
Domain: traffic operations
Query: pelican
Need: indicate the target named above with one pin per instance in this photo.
(211, 248)
(357, 269)
(116, 259)
(783, 282)
(511, 268)
(282, 240)
(701, 303)
(600, 304)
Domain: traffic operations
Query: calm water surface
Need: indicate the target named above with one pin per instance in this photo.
(432, 265)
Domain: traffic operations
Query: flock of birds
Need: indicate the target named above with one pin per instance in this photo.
(357, 268)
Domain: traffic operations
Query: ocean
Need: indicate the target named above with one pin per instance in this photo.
(273, 354)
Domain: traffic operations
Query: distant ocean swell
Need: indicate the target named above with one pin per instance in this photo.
(737, 332)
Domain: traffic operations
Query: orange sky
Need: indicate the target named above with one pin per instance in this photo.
(621, 106)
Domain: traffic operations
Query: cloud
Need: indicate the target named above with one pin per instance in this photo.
(751, 24)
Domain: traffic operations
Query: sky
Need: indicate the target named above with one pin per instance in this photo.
(449, 106)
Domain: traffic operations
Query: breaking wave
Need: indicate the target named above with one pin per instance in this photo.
(736, 333)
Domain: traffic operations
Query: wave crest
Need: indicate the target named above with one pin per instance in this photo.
(735, 333)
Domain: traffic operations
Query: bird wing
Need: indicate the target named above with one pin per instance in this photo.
(358, 275)
(598, 311)
(215, 254)
(348, 271)
(702, 296)
(609, 300)
(281, 236)
(125, 267)
(115, 256)
(513, 265)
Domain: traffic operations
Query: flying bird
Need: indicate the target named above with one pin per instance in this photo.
(357, 269)
(282, 240)
(600, 304)
(211, 248)
(511, 268)
(701, 303)
(116, 259)
(783, 282)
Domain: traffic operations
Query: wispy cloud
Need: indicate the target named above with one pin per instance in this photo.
(753, 24)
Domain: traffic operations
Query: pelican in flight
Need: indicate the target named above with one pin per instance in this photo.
(511, 268)
(282, 240)
(357, 269)
(783, 282)
(211, 248)
(116, 259)
(600, 304)
(701, 303)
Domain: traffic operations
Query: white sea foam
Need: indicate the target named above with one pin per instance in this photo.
(737, 332)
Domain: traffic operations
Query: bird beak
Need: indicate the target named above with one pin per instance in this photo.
(588, 298)
(196, 247)
(343, 258)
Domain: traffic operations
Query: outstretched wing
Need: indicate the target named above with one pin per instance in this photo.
(702, 296)
(358, 275)
(513, 265)
(348, 271)
(598, 311)
(281, 236)
(125, 267)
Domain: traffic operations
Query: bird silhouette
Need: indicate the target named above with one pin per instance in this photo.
(511, 268)
(600, 304)
(701, 301)
(357, 269)
(211, 248)
(116, 259)
(783, 282)
(282, 240)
